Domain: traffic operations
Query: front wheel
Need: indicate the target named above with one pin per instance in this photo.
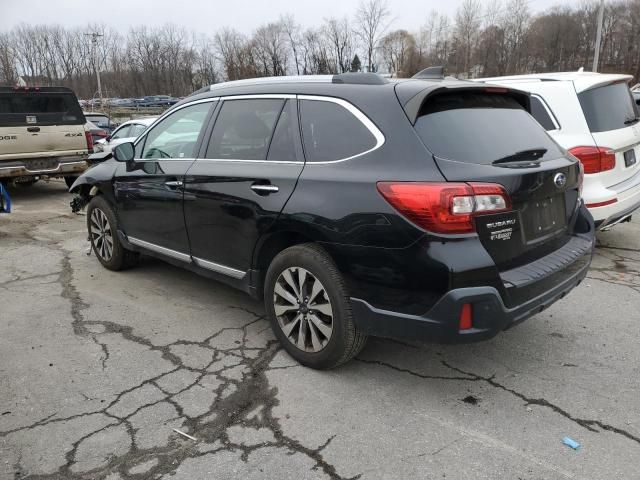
(309, 308)
(103, 235)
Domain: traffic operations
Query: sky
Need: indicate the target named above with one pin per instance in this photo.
(208, 16)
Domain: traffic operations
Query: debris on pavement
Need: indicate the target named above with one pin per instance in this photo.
(570, 442)
(185, 435)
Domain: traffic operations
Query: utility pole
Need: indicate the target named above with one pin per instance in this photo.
(596, 54)
(94, 51)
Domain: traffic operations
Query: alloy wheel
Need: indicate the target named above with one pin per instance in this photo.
(303, 309)
(101, 235)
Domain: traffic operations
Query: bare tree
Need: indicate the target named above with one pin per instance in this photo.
(371, 22)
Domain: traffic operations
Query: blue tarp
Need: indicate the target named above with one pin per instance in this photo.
(5, 200)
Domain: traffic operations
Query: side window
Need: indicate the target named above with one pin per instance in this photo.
(541, 114)
(136, 130)
(122, 132)
(176, 136)
(283, 143)
(331, 132)
(244, 128)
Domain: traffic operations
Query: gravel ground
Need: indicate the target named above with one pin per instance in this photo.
(98, 368)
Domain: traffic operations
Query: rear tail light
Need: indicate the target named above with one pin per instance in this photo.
(445, 207)
(595, 159)
(89, 138)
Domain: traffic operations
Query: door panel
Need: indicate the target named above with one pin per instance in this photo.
(229, 202)
(149, 191)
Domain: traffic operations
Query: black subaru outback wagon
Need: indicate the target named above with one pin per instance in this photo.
(424, 209)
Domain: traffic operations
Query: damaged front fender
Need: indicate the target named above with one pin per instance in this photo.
(91, 182)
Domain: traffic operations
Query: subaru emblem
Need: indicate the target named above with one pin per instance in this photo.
(560, 180)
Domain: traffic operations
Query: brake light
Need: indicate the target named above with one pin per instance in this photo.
(595, 159)
(89, 138)
(445, 207)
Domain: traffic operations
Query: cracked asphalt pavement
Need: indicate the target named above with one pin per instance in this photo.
(99, 369)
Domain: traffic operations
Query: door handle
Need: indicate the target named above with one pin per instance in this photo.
(33, 129)
(174, 183)
(261, 189)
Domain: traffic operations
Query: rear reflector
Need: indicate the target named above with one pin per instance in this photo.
(89, 138)
(466, 317)
(595, 159)
(602, 204)
(445, 207)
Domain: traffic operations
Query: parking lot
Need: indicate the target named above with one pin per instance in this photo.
(98, 368)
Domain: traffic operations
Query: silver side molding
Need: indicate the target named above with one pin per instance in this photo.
(216, 267)
(163, 250)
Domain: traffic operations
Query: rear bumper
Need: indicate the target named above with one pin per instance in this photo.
(490, 314)
(628, 200)
(52, 167)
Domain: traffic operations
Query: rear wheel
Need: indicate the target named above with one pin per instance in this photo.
(103, 227)
(309, 309)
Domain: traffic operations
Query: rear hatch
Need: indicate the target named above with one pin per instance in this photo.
(487, 135)
(612, 116)
(42, 122)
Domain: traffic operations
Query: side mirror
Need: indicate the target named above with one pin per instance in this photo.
(125, 152)
(108, 138)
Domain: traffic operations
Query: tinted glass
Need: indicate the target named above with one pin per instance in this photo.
(176, 136)
(244, 128)
(42, 109)
(122, 132)
(608, 108)
(282, 146)
(541, 114)
(331, 132)
(480, 128)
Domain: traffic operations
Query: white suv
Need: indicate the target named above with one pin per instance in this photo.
(595, 118)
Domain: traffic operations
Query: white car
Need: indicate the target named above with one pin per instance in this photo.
(127, 132)
(594, 117)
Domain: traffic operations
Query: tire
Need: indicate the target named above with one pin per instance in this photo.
(320, 338)
(69, 181)
(102, 227)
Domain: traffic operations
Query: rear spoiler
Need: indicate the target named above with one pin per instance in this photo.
(413, 94)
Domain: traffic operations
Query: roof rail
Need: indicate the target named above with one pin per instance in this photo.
(359, 78)
(430, 73)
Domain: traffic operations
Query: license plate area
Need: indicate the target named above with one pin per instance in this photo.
(543, 218)
(630, 158)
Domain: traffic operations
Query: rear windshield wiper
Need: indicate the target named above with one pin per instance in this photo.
(631, 121)
(532, 154)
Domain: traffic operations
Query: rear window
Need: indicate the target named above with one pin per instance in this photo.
(39, 108)
(608, 108)
(479, 127)
(100, 120)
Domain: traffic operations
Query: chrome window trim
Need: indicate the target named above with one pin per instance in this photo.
(216, 267)
(356, 112)
(549, 112)
(250, 96)
(360, 116)
(229, 160)
(163, 250)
